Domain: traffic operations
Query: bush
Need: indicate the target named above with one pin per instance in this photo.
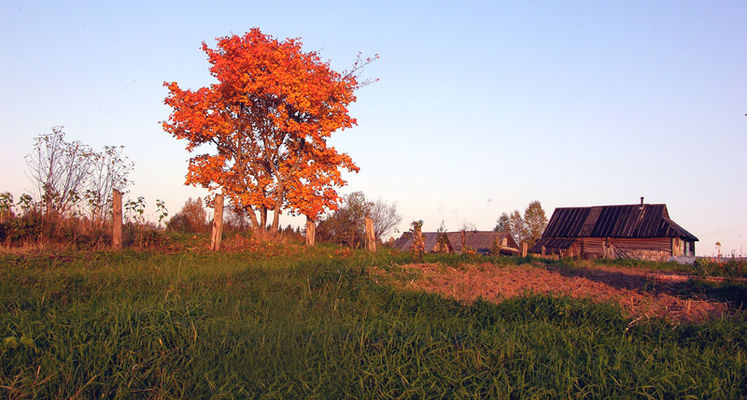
(143, 236)
(730, 268)
(191, 218)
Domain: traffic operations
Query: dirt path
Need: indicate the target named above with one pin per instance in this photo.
(641, 293)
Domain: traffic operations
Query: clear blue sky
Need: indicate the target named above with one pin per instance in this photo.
(481, 107)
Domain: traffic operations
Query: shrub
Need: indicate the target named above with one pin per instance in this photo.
(731, 268)
(191, 218)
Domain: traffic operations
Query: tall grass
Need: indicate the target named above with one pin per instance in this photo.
(289, 323)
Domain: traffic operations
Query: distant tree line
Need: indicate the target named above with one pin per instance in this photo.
(66, 174)
(72, 195)
(193, 217)
(527, 228)
(346, 225)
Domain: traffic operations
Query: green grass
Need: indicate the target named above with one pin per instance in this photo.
(282, 323)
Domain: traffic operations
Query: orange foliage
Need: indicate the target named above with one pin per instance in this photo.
(268, 119)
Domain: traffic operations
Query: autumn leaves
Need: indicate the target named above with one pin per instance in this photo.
(264, 126)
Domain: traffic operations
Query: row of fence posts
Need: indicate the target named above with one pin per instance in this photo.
(419, 239)
(217, 229)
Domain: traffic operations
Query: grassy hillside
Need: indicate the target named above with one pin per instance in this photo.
(280, 322)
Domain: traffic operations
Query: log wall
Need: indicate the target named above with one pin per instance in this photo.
(653, 249)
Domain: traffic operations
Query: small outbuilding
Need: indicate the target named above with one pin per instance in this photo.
(635, 231)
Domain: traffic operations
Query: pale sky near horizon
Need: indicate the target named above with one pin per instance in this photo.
(480, 108)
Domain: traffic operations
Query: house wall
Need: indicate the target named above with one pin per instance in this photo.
(653, 249)
(690, 250)
(681, 247)
(678, 247)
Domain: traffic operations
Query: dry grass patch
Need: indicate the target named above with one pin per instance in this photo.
(642, 294)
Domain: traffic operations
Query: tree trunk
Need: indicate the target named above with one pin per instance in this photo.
(117, 219)
(310, 232)
(252, 217)
(278, 208)
(276, 220)
(263, 218)
(217, 232)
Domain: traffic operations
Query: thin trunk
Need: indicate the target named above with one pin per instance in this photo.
(276, 219)
(240, 161)
(263, 218)
(252, 217)
(278, 206)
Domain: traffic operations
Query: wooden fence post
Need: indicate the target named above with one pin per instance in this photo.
(524, 249)
(116, 219)
(496, 249)
(310, 232)
(370, 236)
(418, 245)
(217, 232)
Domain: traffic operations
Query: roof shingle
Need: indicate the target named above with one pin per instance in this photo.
(622, 221)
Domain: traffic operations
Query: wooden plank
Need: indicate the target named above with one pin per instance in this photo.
(370, 235)
(217, 232)
(116, 219)
(310, 232)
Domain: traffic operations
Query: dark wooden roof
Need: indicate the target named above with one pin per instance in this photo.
(623, 221)
(551, 243)
(404, 242)
(479, 240)
(430, 239)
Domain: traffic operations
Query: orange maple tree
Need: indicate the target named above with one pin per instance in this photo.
(267, 120)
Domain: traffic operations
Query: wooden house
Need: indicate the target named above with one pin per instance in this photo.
(480, 242)
(637, 231)
(430, 242)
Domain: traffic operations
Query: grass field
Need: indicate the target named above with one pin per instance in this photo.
(281, 322)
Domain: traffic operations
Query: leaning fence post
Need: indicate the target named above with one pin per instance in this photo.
(116, 219)
(217, 232)
(524, 249)
(370, 236)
